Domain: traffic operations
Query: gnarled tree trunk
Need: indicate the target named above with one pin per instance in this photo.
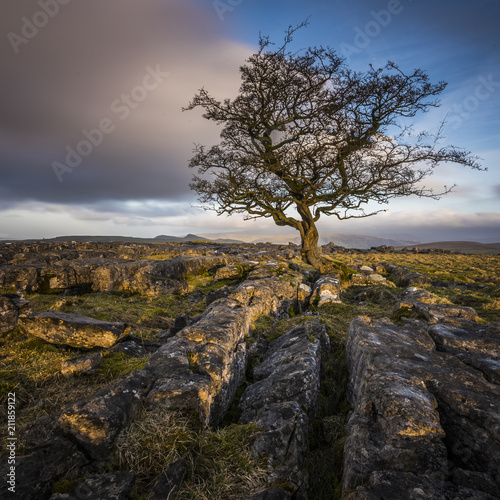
(310, 237)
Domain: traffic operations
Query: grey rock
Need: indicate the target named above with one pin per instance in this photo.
(84, 365)
(181, 322)
(286, 391)
(419, 415)
(214, 295)
(424, 304)
(474, 344)
(170, 480)
(369, 279)
(73, 330)
(283, 442)
(111, 486)
(228, 272)
(12, 306)
(326, 289)
(290, 370)
(96, 421)
(35, 473)
(130, 348)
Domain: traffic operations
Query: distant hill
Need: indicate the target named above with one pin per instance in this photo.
(192, 237)
(131, 239)
(464, 247)
(343, 240)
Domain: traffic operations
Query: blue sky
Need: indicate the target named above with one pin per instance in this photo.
(118, 73)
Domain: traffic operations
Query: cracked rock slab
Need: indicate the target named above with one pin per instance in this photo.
(283, 399)
(425, 424)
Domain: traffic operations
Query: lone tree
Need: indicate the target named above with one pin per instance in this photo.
(307, 136)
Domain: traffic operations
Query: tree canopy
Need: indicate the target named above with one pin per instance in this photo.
(306, 136)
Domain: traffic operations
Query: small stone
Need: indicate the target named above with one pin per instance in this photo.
(130, 348)
(84, 365)
(366, 270)
(170, 480)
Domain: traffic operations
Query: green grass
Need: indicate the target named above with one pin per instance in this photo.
(146, 315)
(473, 270)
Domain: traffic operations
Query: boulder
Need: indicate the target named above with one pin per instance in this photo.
(96, 421)
(73, 330)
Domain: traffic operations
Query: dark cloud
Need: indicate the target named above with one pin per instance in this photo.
(82, 68)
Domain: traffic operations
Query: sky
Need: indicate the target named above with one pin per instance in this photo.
(93, 139)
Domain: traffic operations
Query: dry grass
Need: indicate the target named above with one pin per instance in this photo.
(219, 463)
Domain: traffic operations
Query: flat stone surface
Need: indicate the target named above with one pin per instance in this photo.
(73, 330)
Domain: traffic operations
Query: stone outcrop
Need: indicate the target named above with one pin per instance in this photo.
(205, 363)
(95, 422)
(424, 304)
(425, 424)
(283, 400)
(73, 330)
(108, 275)
(326, 289)
(12, 306)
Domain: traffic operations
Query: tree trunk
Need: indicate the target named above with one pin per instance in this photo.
(310, 237)
(309, 251)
